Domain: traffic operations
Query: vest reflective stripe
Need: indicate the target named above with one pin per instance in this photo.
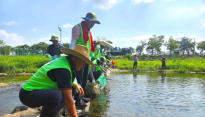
(40, 80)
(81, 39)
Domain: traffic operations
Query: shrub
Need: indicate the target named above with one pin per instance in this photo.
(128, 56)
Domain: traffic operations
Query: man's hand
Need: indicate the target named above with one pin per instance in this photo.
(81, 92)
(46, 56)
(80, 89)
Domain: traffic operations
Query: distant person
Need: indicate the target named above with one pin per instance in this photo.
(53, 50)
(163, 62)
(81, 34)
(96, 52)
(135, 62)
(101, 50)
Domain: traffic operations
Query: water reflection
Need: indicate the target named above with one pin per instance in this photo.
(140, 94)
(134, 74)
(163, 75)
(99, 105)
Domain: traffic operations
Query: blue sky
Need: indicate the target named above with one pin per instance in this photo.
(124, 22)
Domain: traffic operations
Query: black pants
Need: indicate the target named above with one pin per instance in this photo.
(96, 75)
(51, 100)
(135, 65)
(164, 65)
(82, 77)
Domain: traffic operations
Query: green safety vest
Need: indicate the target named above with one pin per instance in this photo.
(97, 68)
(81, 39)
(100, 55)
(40, 80)
(96, 51)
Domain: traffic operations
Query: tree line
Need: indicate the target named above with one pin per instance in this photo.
(154, 44)
(41, 46)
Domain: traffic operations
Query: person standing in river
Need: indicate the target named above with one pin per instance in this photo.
(163, 62)
(135, 62)
(51, 85)
(81, 34)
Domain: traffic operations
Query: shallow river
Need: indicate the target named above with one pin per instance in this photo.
(134, 94)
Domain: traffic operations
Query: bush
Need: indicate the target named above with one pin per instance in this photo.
(128, 56)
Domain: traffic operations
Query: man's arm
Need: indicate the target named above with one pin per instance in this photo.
(72, 44)
(76, 31)
(69, 102)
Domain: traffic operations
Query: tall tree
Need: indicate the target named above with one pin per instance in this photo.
(201, 46)
(66, 45)
(150, 49)
(24, 47)
(171, 44)
(5, 50)
(156, 42)
(132, 49)
(2, 42)
(141, 47)
(160, 41)
(42, 46)
(186, 45)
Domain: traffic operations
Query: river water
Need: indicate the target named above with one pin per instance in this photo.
(134, 94)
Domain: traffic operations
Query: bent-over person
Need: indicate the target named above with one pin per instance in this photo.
(51, 85)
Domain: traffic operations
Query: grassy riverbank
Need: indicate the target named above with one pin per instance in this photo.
(30, 64)
(176, 65)
(20, 64)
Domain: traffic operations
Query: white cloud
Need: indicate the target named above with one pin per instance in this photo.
(148, 0)
(34, 29)
(185, 10)
(203, 24)
(45, 39)
(65, 40)
(138, 1)
(12, 39)
(133, 42)
(9, 23)
(67, 25)
(104, 4)
(202, 9)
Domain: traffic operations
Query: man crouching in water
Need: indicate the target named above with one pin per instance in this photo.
(51, 85)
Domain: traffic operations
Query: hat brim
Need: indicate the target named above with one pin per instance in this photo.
(68, 51)
(93, 20)
(53, 40)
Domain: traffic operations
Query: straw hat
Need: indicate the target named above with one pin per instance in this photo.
(79, 51)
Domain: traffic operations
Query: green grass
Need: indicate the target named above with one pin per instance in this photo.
(30, 64)
(176, 64)
(20, 64)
